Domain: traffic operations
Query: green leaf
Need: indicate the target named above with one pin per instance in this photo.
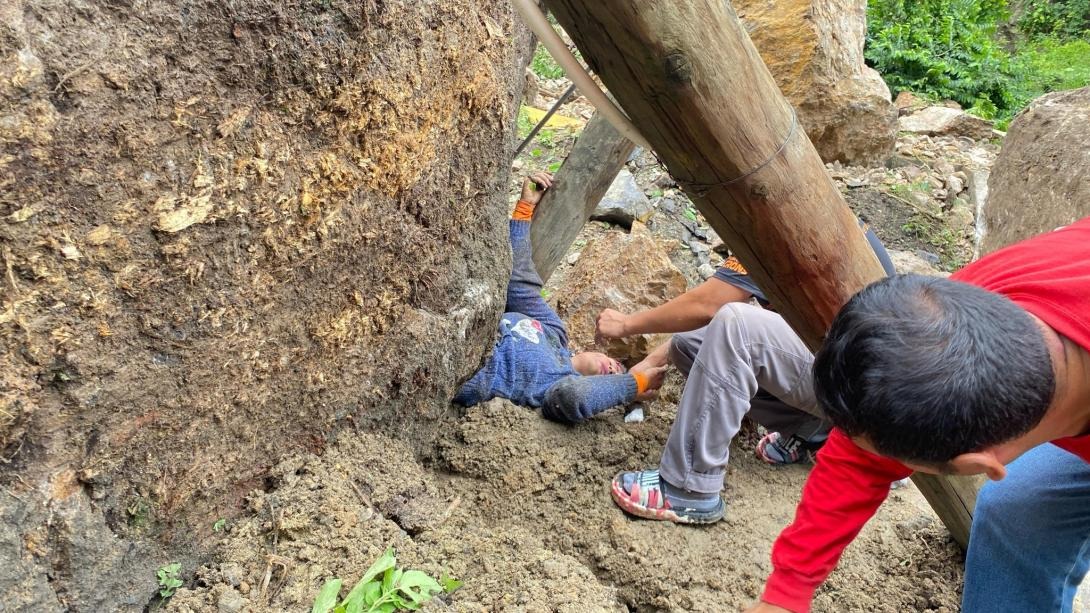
(390, 579)
(327, 596)
(555, 166)
(450, 584)
(219, 525)
(388, 560)
(418, 586)
(340, 609)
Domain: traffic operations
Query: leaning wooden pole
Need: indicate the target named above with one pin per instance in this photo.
(692, 82)
(584, 177)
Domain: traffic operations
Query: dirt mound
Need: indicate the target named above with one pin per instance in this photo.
(335, 515)
(519, 508)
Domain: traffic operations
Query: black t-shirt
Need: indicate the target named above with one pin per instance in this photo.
(734, 273)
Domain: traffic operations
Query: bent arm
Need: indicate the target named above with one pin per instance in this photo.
(577, 398)
(843, 491)
(689, 311)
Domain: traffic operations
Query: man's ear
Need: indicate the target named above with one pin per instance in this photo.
(979, 462)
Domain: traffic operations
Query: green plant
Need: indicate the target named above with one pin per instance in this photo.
(384, 588)
(220, 525)
(942, 49)
(524, 124)
(690, 213)
(168, 579)
(543, 64)
(1066, 18)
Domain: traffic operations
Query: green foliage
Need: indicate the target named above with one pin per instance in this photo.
(949, 49)
(942, 49)
(1066, 18)
(524, 124)
(168, 579)
(220, 525)
(544, 66)
(384, 588)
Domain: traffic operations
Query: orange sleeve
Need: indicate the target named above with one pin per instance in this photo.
(524, 211)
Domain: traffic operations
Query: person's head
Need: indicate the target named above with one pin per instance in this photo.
(931, 372)
(594, 363)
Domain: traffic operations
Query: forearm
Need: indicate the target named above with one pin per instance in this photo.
(689, 311)
(845, 488)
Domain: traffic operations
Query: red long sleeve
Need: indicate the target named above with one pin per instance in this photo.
(843, 491)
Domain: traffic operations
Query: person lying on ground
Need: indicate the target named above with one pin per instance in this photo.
(987, 372)
(795, 430)
(530, 363)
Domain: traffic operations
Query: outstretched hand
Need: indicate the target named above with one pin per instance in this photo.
(534, 186)
(655, 376)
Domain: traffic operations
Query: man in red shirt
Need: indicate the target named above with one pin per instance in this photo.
(985, 373)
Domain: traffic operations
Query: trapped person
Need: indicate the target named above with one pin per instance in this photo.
(530, 363)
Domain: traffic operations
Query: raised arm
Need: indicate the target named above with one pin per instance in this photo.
(524, 288)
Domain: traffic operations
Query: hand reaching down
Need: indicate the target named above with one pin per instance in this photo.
(652, 378)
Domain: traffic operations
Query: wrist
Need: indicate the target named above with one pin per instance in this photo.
(524, 210)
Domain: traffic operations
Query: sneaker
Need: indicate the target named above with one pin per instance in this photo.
(774, 449)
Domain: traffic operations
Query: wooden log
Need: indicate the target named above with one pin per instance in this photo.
(691, 80)
(582, 180)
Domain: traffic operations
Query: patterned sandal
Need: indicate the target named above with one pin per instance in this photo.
(645, 498)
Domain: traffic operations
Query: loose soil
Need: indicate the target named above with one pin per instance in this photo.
(519, 509)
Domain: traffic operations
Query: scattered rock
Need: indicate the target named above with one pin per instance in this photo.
(954, 186)
(908, 103)
(627, 272)
(1039, 181)
(814, 49)
(960, 216)
(906, 262)
(623, 203)
(943, 121)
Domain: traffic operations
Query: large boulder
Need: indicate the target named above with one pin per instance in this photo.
(1040, 182)
(627, 272)
(814, 49)
(226, 232)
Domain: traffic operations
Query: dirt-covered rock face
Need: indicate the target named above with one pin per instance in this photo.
(814, 49)
(227, 230)
(1039, 181)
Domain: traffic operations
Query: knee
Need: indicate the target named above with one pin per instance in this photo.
(1003, 503)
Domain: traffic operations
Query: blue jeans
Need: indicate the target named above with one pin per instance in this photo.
(1030, 544)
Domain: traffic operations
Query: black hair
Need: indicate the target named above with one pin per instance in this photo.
(926, 369)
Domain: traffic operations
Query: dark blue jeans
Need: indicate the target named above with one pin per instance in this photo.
(1030, 544)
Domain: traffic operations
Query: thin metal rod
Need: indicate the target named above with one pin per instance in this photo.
(541, 124)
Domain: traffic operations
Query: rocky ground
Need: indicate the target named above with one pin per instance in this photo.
(519, 508)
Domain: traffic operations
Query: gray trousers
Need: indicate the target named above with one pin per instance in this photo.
(747, 360)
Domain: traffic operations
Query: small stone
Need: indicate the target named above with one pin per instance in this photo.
(856, 183)
(230, 601)
(623, 203)
(706, 271)
(928, 257)
(573, 257)
(954, 185)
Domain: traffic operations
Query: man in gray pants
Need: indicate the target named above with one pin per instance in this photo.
(747, 360)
